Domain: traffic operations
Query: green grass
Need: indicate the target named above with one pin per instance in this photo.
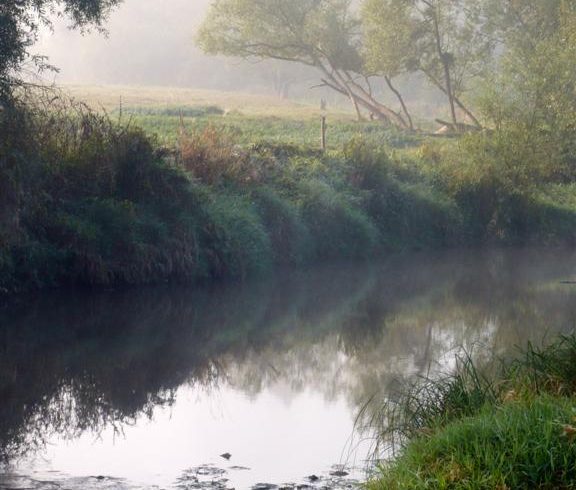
(248, 118)
(247, 130)
(513, 429)
(521, 445)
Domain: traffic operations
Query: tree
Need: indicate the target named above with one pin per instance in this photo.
(535, 80)
(388, 48)
(444, 39)
(323, 34)
(20, 21)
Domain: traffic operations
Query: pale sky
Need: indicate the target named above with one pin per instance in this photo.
(148, 42)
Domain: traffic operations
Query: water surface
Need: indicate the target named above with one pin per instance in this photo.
(147, 389)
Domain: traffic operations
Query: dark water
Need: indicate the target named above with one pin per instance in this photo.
(147, 389)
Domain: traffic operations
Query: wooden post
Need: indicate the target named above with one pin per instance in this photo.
(323, 133)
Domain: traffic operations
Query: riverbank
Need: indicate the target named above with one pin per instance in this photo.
(88, 201)
(512, 429)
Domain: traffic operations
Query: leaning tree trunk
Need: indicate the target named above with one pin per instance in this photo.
(401, 100)
(358, 96)
(446, 68)
(457, 100)
(380, 110)
(349, 94)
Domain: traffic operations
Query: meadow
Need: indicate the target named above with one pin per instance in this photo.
(248, 118)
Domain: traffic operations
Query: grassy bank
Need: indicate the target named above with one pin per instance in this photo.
(93, 200)
(513, 429)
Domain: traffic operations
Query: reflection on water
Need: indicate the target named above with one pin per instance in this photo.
(148, 387)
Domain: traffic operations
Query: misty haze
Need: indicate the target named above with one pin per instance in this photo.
(287, 244)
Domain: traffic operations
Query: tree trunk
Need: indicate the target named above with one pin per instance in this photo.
(402, 103)
(445, 65)
(350, 95)
(394, 117)
(382, 116)
(457, 100)
(361, 98)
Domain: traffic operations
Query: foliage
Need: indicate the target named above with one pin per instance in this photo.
(93, 202)
(322, 34)
(511, 429)
(388, 45)
(339, 226)
(100, 203)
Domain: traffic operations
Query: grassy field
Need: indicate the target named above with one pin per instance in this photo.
(247, 118)
(108, 97)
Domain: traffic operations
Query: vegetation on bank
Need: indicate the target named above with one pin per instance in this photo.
(91, 201)
(87, 199)
(514, 429)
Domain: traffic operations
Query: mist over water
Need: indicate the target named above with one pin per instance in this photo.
(145, 388)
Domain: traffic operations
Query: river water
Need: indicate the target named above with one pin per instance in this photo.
(236, 385)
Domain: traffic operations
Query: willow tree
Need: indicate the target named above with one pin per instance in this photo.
(323, 34)
(443, 39)
(20, 21)
(388, 48)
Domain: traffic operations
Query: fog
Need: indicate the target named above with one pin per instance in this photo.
(151, 42)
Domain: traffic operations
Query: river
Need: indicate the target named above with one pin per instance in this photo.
(252, 385)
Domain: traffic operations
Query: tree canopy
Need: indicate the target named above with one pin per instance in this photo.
(325, 34)
(458, 45)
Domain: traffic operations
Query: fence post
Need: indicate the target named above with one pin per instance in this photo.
(323, 133)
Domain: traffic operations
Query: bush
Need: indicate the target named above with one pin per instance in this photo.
(236, 243)
(408, 215)
(341, 230)
(290, 238)
(495, 177)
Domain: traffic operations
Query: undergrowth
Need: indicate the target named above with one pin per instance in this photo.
(88, 200)
(510, 429)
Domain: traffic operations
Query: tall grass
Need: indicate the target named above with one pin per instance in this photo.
(511, 429)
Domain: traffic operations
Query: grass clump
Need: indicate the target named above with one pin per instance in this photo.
(341, 228)
(521, 445)
(513, 429)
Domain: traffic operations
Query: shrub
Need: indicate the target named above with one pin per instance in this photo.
(494, 178)
(236, 243)
(341, 230)
(290, 238)
(407, 214)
